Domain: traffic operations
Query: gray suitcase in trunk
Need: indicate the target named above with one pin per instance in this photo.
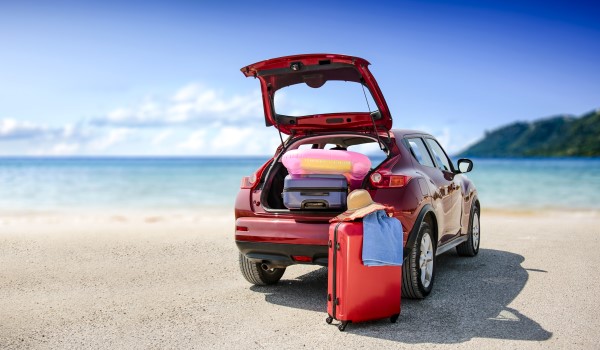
(318, 192)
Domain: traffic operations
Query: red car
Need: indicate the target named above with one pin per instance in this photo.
(437, 205)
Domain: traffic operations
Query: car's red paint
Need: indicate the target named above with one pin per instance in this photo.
(281, 230)
(276, 73)
(445, 198)
(450, 202)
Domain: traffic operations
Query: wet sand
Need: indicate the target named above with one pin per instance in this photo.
(171, 280)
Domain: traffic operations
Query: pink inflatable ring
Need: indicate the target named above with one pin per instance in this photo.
(353, 165)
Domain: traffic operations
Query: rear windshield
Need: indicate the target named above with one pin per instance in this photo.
(350, 142)
(332, 97)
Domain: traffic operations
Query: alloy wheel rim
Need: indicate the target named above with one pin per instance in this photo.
(475, 231)
(426, 260)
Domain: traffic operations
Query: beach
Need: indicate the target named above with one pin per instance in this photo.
(170, 279)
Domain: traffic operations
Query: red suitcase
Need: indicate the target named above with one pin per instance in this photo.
(356, 292)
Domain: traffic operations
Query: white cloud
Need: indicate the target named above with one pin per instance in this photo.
(192, 104)
(196, 101)
(113, 137)
(444, 138)
(146, 113)
(161, 136)
(192, 120)
(14, 129)
(186, 93)
(451, 141)
(245, 140)
(69, 130)
(230, 140)
(195, 142)
(65, 148)
(25, 137)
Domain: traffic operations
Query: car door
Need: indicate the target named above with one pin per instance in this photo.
(448, 189)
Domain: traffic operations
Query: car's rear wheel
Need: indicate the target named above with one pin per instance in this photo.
(419, 269)
(471, 246)
(258, 274)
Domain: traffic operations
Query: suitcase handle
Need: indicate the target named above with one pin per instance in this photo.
(307, 204)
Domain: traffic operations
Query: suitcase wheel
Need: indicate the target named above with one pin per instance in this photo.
(343, 325)
(329, 319)
(394, 318)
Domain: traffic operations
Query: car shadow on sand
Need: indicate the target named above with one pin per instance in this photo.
(470, 299)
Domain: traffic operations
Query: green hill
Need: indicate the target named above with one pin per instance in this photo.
(560, 136)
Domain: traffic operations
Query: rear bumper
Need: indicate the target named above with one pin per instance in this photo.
(283, 231)
(281, 255)
(277, 240)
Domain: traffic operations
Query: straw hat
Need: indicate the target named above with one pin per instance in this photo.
(360, 204)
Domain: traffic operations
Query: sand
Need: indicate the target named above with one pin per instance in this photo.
(171, 281)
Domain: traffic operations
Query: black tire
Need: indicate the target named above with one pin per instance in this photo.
(412, 285)
(255, 274)
(471, 246)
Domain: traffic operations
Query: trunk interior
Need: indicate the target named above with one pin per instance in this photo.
(273, 188)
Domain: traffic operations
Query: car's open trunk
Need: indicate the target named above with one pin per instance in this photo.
(273, 179)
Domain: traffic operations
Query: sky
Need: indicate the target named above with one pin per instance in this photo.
(162, 78)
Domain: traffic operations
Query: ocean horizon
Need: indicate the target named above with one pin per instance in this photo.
(32, 183)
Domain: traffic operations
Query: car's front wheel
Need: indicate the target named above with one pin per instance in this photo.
(471, 246)
(255, 273)
(419, 269)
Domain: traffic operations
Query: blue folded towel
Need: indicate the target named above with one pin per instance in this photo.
(382, 240)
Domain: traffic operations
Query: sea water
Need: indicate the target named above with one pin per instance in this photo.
(32, 184)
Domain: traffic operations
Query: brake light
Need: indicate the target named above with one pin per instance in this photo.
(379, 180)
(248, 181)
(241, 228)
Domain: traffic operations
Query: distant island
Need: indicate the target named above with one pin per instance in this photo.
(559, 136)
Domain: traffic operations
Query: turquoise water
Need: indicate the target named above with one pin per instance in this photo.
(181, 183)
(538, 183)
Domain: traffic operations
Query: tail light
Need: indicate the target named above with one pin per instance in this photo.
(380, 180)
(384, 178)
(248, 182)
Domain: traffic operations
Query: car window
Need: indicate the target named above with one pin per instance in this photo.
(308, 146)
(371, 150)
(333, 97)
(439, 154)
(419, 151)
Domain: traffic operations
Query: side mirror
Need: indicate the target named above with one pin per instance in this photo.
(465, 165)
